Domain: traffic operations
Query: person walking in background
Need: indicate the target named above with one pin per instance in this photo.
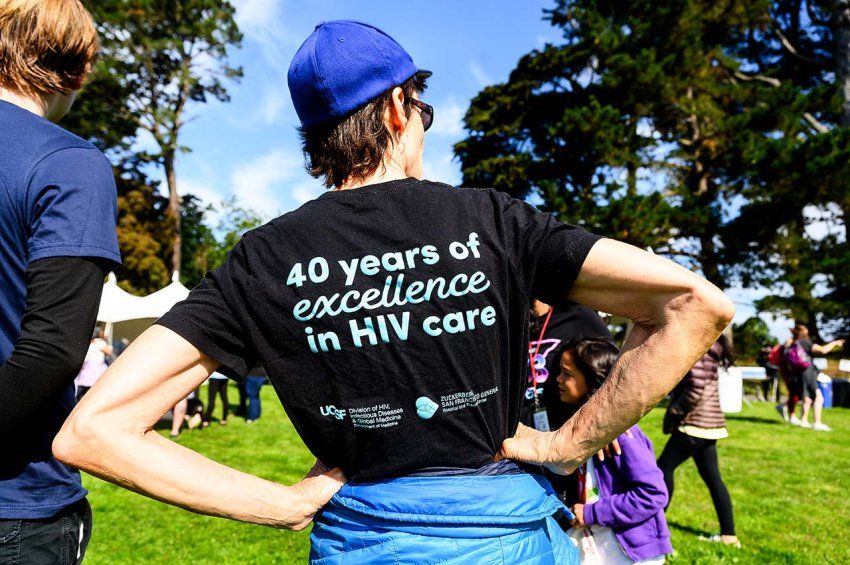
(619, 516)
(770, 361)
(253, 383)
(242, 408)
(178, 417)
(57, 243)
(799, 362)
(94, 365)
(792, 384)
(217, 386)
(190, 411)
(695, 421)
(119, 348)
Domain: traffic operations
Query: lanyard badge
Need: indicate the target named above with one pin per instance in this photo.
(541, 419)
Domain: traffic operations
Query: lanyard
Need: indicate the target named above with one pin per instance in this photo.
(582, 482)
(532, 358)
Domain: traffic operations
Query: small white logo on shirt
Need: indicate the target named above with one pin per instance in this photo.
(331, 410)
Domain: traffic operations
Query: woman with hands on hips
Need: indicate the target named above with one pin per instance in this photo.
(385, 275)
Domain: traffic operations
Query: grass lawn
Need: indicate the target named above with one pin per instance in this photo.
(789, 487)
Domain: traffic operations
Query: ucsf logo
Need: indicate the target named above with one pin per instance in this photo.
(332, 410)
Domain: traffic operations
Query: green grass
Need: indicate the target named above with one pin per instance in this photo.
(789, 487)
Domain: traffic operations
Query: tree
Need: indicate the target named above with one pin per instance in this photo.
(165, 56)
(714, 132)
(205, 248)
(199, 242)
(750, 337)
(234, 222)
(795, 162)
(625, 126)
(564, 128)
(142, 234)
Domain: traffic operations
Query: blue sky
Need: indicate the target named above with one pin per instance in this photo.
(249, 147)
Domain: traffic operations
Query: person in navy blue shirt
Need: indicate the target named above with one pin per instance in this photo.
(57, 242)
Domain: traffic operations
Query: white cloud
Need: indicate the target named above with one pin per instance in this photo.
(255, 13)
(480, 75)
(448, 119)
(263, 22)
(256, 183)
(204, 190)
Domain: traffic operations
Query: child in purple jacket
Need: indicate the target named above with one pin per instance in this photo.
(620, 514)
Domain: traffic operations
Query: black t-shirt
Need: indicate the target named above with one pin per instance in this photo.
(391, 319)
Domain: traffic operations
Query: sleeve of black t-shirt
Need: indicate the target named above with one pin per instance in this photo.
(212, 317)
(63, 295)
(546, 254)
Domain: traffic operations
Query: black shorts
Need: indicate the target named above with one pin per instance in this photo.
(810, 382)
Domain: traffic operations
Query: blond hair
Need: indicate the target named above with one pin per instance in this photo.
(46, 46)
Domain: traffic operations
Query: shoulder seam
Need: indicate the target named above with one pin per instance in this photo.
(55, 151)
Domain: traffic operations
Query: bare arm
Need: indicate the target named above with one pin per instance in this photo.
(824, 349)
(110, 435)
(677, 316)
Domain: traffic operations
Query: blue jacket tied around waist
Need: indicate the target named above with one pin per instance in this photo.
(443, 519)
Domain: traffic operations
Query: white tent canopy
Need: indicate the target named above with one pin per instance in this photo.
(127, 315)
(156, 304)
(116, 304)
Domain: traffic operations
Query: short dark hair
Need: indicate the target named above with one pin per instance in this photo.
(594, 357)
(353, 147)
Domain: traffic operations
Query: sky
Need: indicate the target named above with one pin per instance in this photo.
(249, 148)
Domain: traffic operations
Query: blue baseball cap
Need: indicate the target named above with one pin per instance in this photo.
(343, 65)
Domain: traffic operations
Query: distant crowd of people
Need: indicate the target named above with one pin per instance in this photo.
(793, 363)
(189, 411)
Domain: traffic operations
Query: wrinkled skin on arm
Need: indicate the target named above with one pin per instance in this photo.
(678, 316)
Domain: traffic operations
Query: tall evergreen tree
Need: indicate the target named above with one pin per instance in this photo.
(795, 160)
(624, 126)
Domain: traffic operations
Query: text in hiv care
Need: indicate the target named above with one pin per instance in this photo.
(399, 289)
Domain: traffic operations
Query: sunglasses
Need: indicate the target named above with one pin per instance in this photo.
(426, 110)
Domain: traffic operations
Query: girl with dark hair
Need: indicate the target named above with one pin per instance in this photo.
(619, 516)
(696, 422)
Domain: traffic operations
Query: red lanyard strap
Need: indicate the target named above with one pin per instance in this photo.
(532, 358)
(582, 483)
